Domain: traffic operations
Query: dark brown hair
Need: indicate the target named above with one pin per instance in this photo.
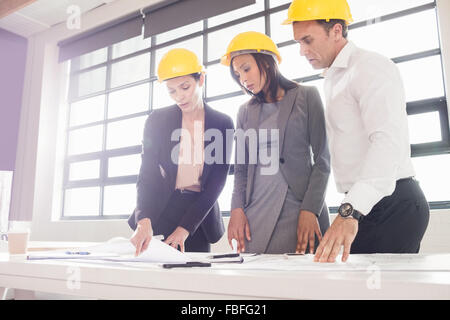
(196, 76)
(267, 65)
(330, 24)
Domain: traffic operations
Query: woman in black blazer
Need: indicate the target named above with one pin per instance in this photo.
(184, 163)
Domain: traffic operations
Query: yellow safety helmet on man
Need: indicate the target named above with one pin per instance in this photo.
(178, 62)
(250, 42)
(307, 10)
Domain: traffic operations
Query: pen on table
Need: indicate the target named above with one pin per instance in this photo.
(186, 265)
(227, 255)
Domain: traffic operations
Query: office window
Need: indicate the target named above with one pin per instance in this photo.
(423, 78)
(368, 9)
(424, 128)
(219, 40)
(113, 89)
(91, 81)
(179, 32)
(278, 32)
(85, 140)
(292, 65)
(84, 170)
(119, 199)
(130, 70)
(225, 198)
(124, 165)
(384, 38)
(229, 106)
(87, 110)
(82, 202)
(125, 133)
(92, 59)
(219, 81)
(258, 7)
(276, 3)
(434, 177)
(128, 101)
(129, 46)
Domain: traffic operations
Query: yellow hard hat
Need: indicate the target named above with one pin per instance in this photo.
(178, 62)
(306, 10)
(249, 42)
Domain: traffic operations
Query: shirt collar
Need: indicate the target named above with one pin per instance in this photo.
(342, 58)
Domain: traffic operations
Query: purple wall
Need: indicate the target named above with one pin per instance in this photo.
(13, 50)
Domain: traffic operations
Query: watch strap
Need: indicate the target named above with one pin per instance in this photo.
(357, 215)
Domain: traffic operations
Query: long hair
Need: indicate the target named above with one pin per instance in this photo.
(267, 65)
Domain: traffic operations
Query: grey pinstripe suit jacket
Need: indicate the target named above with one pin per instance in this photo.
(303, 149)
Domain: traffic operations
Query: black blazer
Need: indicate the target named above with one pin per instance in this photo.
(158, 173)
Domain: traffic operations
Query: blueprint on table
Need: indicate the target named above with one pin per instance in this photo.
(356, 262)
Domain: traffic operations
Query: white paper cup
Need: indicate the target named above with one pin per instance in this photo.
(18, 241)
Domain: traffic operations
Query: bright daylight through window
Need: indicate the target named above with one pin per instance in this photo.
(112, 91)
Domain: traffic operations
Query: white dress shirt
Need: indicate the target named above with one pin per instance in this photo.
(367, 126)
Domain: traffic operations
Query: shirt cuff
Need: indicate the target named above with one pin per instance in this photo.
(188, 226)
(311, 209)
(363, 197)
(237, 202)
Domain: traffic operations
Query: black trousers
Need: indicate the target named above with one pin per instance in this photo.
(171, 217)
(396, 223)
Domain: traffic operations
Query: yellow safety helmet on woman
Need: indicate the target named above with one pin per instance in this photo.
(250, 42)
(178, 62)
(306, 10)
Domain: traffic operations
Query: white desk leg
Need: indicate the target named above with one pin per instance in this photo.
(24, 295)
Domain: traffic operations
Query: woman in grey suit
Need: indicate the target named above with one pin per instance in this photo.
(281, 210)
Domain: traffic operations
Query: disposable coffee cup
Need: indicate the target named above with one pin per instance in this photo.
(18, 241)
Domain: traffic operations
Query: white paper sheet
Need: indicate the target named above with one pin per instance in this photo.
(121, 250)
(157, 251)
(385, 262)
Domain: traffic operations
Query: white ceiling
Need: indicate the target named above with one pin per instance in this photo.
(43, 14)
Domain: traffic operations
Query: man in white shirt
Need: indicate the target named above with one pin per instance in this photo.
(384, 210)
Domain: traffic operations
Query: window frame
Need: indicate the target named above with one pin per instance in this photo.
(414, 107)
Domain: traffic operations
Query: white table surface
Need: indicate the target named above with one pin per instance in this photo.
(112, 280)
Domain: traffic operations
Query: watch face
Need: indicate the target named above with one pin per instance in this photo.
(345, 210)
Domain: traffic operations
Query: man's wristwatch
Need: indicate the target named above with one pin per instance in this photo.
(346, 211)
